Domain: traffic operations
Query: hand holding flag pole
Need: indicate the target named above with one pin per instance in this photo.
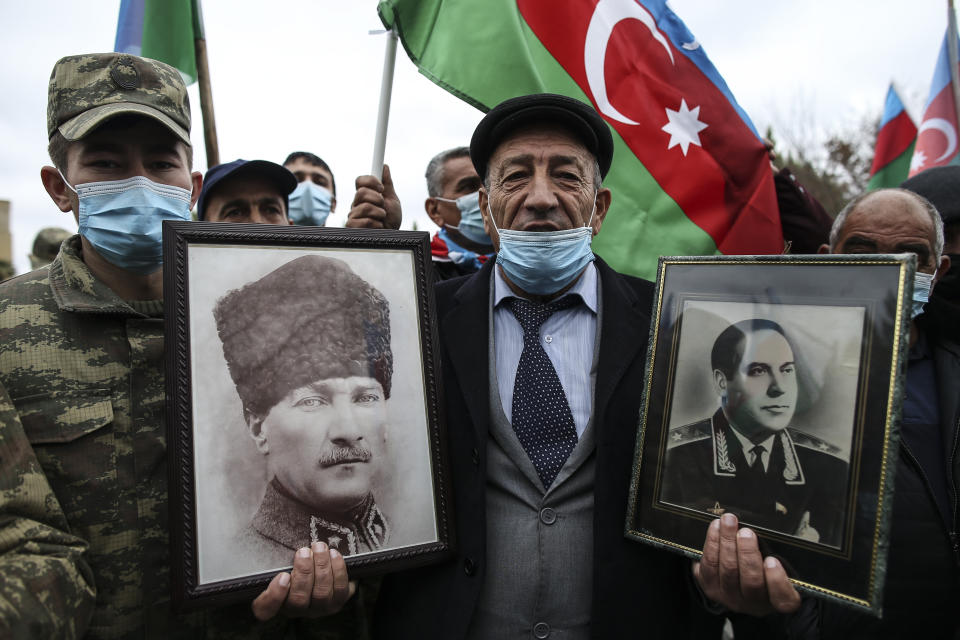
(383, 115)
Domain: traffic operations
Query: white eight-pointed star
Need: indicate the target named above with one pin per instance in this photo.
(684, 127)
(919, 159)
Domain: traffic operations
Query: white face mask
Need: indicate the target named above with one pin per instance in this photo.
(922, 285)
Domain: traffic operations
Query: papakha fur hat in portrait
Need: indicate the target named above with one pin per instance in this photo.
(308, 348)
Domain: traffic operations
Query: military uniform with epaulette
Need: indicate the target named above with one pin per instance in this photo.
(706, 469)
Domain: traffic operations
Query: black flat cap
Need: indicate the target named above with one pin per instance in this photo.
(941, 186)
(505, 118)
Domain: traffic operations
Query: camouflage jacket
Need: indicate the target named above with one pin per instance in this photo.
(83, 449)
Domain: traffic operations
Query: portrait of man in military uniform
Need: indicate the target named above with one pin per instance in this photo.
(308, 347)
(746, 458)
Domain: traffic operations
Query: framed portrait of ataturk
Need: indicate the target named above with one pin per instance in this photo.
(772, 391)
(302, 404)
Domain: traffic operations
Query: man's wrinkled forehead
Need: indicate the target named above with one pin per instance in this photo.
(524, 144)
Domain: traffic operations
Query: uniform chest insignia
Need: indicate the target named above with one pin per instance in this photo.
(780, 508)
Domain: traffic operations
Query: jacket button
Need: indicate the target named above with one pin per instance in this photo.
(469, 566)
(548, 516)
(541, 630)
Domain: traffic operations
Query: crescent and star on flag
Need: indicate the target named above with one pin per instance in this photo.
(683, 124)
(950, 135)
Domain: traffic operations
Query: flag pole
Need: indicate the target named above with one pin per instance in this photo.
(206, 93)
(952, 56)
(383, 114)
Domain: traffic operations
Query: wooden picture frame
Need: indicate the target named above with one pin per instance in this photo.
(303, 404)
(804, 354)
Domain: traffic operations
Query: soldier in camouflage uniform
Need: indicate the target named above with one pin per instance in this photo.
(83, 479)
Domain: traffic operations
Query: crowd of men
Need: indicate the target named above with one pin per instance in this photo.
(528, 317)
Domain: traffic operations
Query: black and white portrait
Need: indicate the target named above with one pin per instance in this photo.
(309, 411)
(762, 415)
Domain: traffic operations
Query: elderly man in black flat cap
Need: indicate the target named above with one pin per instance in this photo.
(308, 347)
(543, 356)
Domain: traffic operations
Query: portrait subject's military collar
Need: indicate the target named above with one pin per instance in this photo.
(728, 452)
(293, 524)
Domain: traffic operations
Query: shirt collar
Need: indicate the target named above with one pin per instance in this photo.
(585, 287)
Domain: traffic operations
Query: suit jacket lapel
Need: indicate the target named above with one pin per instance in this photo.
(621, 338)
(465, 329)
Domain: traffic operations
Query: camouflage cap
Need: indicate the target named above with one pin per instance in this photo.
(88, 89)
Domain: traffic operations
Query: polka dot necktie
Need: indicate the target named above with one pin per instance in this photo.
(540, 412)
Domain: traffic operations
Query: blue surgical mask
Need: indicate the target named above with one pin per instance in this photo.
(543, 262)
(471, 220)
(123, 219)
(922, 284)
(309, 204)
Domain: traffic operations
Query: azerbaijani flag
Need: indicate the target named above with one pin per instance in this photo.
(690, 175)
(895, 141)
(937, 136)
(163, 30)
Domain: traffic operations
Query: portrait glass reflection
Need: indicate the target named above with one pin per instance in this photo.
(762, 415)
(309, 406)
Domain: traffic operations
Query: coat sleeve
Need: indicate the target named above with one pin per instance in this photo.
(46, 585)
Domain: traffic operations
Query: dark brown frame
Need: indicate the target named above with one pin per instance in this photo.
(853, 571)
(178, 238)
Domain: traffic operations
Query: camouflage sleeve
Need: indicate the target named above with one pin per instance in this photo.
(46, 586)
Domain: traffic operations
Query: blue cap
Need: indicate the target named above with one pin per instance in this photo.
(285, 181)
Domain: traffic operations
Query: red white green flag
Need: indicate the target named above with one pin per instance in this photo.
(937, 139)
(895, 141)
(690, 175)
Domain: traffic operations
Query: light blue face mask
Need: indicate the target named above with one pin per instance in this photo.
(543, 262)
(122, 219)
(471, 220)
(309, 204)
(922, 284)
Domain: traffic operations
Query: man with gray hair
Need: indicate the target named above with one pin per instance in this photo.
(923, 566)
(461, 246)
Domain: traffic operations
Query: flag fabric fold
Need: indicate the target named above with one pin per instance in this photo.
(690, 175)
(896, 139)
(163, 30)
(937, 135)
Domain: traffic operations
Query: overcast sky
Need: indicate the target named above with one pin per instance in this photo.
(305, 75)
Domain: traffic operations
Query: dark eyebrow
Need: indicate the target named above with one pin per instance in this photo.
(99, 147)
(236, 202)
(921, 250)
(859, 242)
(469, 181)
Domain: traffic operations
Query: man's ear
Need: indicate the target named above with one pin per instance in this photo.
(484, 202)
(58, 190)
(333, 203)
(603, 206)
(942, 268)
(196, 179)
(719, 382)
(257, 431)
(432, 206)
